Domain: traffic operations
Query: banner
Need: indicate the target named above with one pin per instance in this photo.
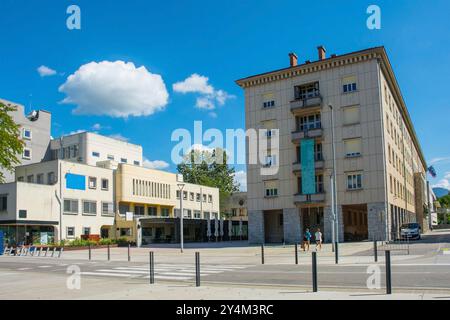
(308, 166)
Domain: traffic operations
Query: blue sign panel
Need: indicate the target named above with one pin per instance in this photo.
(75, 181)
(1, 243)
(308, 166)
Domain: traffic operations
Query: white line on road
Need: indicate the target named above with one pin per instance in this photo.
(105, 274)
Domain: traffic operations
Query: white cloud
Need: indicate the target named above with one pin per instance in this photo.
(45, 71)
(119, 137)
(200, 148)
(97, 126)
(240, 177)
(194, 84)
(213, 115)
(439, 160)
(116, 89)
(444, 183)
(209, 96)
(156, 164)
(76, 132)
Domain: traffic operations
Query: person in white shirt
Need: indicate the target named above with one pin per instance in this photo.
(318, 237)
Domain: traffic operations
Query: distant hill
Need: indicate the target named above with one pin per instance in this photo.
(440, 192)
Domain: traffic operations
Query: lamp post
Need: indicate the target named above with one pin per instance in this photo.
(181, 187)
(334, 191)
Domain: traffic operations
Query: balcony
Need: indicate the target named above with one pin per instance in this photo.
(303, 104)
(308, 199)
(297, 167)
(310, 133)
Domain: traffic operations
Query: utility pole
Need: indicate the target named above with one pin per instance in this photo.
(334, 191)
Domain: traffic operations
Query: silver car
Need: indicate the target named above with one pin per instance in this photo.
(410, 231)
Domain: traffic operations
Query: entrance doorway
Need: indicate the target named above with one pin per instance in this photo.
(312, 219)
(355, 223)
(273, 226)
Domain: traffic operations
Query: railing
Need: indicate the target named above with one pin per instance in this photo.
(309, 198)
(308, 133)
(307, 102)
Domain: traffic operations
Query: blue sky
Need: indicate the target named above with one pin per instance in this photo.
(220, 40)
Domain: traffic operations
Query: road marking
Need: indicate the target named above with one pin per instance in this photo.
(43, 267)
(106, 274)
(24, 269)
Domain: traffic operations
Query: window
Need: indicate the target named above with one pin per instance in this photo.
(51, 178)
(105, 184)
(126, 232)
(310, 122)
(165, 212)
(271, 188)
(136, 163)
(92, 183)
(26, 154)
(110, 157)
(30, 178)
(178, 194)
(70, 232)
(307, 91)
(21, 179)
(86, 231)
(191, 196)
(270, 127)
(107, 208)
(198, 197)
(3, 202)
(89, 207)
(349, 84)
(271, 160)
(123, 160)
(352, 147)
(351, 115)
(139, 210)
(22, 214)
(234, 212)
(96, 154)
(204, 197)
(318, 184)
(152, 211)
(74, 151)
(26, 134)
(354, 181)
(268, 104)
(197, 214)
(70, 206)
(210, 198)
(185, 195)
(40, 178)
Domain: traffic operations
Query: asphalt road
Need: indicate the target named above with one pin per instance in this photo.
(426, 268)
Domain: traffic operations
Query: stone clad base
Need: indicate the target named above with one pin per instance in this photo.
(256, 227)
(292, 226)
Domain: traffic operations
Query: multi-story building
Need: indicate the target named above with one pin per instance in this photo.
(148, 203)
(379, 165)
(236, 210)
(34, 131)
(90, 148)
(57, 200)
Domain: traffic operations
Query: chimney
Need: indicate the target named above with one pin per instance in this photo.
(322, 52)
(293, 59)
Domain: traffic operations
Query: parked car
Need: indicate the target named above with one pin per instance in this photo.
(410, 231)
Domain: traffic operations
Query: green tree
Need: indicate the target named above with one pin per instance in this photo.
(445, 201)
(210, 169)
(10, 143)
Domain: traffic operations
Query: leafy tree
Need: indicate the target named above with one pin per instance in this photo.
(10, 143)
(445, 201)
(210, 169)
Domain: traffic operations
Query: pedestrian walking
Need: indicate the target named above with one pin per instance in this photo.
(318, 238)
(306, 240)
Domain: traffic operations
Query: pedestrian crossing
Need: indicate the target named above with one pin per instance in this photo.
(176, 272)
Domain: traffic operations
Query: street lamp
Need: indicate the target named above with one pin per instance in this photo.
(333, 182)
(181, 187)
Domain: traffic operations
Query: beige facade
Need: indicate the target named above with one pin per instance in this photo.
(153, 198)
(73, 199)
(374, 143)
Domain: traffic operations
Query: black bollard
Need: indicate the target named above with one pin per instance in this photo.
(109, 253)
(152, 268)
(296, 253)
(375, 250)
(262, 254)
(388, 273)
(129, 257)
(197, 269)
(336, 252)
(314, 271)
(90, 252)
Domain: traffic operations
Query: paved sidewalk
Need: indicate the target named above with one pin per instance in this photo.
(53, 286)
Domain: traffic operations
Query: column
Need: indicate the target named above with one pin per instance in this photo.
(292, 226)
(256, 227)
(376, 220)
